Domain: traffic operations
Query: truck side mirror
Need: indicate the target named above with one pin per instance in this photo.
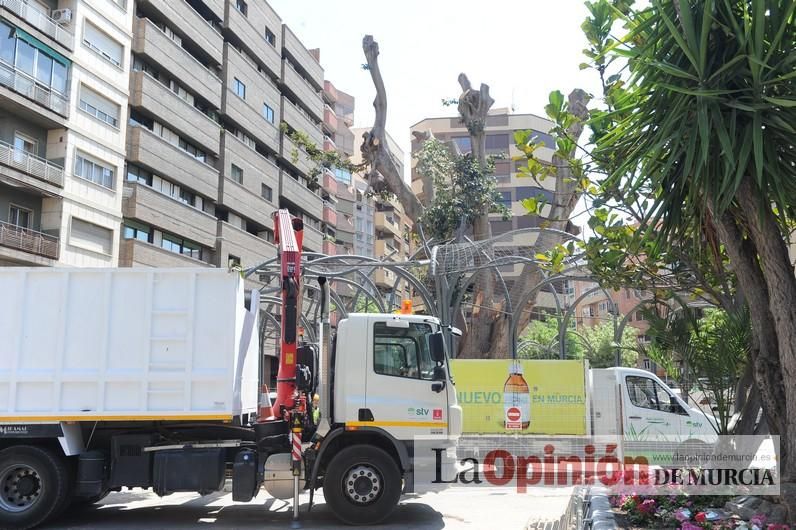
(436, 343)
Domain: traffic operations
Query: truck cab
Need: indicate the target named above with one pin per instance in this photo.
(636, 404)
(384, 363)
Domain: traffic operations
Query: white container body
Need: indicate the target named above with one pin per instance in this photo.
(125, 344)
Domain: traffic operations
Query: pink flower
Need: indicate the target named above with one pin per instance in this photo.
(682, 515)
(690, 526)
(758, 520)
(647, 507)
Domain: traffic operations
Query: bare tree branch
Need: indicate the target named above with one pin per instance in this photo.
(384, 174)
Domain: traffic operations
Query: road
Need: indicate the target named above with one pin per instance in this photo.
(457, 508)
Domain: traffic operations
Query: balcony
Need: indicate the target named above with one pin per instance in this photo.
(157, 47)
(27, 240)
(295, 192)
(249, 31)
(328, 144)
(309, 96)
(329, 119)
(24, 85)
(40, 21)
(384, 278)
(329, 91)
(181, 116)
(147, 149)
(313, 239)
(329, 183)
(329, 247)
(251, 250)
(385, 222)
(247, 112)
(191, 23)
(329, 215)
(387, 247)
(30, 165)
(302, 57)
(297, 119)
(135, 253)
(247, 198)
(161, 211)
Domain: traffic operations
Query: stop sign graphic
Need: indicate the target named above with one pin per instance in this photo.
(513, 414)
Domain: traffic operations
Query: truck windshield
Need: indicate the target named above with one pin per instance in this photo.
(402, 352)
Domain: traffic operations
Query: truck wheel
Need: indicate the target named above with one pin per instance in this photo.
(362, 485)
(34, 484)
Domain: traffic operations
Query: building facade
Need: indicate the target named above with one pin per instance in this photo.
(500, 127)
(64, 69)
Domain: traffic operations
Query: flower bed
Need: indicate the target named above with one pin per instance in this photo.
(685, 512)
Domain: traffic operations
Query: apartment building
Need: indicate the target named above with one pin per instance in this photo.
(338, 118)
(64, 69)
(500, 127)
(383, 228)
(207, 162)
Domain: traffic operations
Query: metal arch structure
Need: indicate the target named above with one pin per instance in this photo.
(439, 280)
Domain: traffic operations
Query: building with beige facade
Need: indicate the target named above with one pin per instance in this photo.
(500, 127)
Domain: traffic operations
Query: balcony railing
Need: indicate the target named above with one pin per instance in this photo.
(20, 82)
(40, 21)
(31, 164)
(28, 240)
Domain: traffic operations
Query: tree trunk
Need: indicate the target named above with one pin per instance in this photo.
(763, 282)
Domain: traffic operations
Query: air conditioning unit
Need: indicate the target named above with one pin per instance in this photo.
(62, 16)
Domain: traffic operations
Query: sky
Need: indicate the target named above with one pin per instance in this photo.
(522, 49)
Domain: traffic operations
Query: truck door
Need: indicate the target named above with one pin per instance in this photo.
(402, 396)
(650, 410)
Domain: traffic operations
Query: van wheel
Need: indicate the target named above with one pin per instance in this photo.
(34, 484)
(362, 485)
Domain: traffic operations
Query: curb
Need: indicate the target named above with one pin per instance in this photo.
(598, 513)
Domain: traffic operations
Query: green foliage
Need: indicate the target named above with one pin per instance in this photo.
(724, 72)
(541, 340)
(713, 350)
(322, 159)
(462, 190)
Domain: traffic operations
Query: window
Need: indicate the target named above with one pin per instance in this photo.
(192, 150)
(639, 316)
(8, 42)
(23, 146)
(647, 394)
(270, 38)
(140, 175)
(239, 88)
(141, 232)
(46, 69)
(93, 171)
(242, 6)
(267, 193)
(268, 113)
(463, 142)
(99, 107)
(90, 236)
(178, 245)
(527, 192)
(498, 142)
(236, 174)
(233, 261)
(505, 198)
(402, 352)
(19, 216)
(102, 44)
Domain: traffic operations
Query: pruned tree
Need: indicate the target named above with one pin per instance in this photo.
(487, 333)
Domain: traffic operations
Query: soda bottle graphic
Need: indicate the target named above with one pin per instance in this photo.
(516, 399)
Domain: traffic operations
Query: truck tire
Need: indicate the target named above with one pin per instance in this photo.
(362, 485)
(34, 484)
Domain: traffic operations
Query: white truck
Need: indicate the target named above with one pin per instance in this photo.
(150, 378)
(637, 405)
